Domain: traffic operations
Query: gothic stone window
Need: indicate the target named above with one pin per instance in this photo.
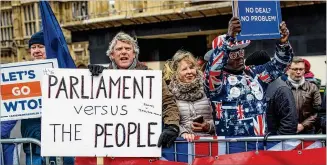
(5, 4)
(30, 20)
(112, 9)
(6, 25)
(80, 10)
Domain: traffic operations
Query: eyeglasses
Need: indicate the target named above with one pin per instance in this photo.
(297, 69)
(236, 54)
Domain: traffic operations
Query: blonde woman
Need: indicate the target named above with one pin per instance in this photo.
(186, 84)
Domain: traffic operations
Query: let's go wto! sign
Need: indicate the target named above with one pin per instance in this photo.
(21, 89)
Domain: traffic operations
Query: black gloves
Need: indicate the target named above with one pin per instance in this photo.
(168, 136)
(95, 69)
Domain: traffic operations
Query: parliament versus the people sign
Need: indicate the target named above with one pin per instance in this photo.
(118, 113)
(259, 19)
(21, 89)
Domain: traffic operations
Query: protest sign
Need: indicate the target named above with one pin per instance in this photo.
(21, 89)
(259, 19)
(118, 113)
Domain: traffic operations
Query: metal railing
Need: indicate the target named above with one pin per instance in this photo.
(283, 139)
(227, 141)
(16, 142)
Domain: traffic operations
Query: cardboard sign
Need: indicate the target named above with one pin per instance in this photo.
(116, 114)
(259, 19)
(21, 89)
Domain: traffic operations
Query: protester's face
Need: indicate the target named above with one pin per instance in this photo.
(123, 55)
(296, 71)
(38, 52)
(236, 60)
(186, 71)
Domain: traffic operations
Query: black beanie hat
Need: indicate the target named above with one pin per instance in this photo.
(36, 38)
(257, 58)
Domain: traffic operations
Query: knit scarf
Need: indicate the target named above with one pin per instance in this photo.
(187, 91)
(136, 65)
(296, 84)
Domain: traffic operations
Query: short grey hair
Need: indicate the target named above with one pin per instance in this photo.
(123, 37)
(297, 60)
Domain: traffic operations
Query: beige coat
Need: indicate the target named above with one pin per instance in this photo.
(190, 110)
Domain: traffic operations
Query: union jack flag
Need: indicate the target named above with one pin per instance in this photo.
(217, 60)
(214, 74)
(186, 152)
(264, 77)
(259, 125)
(213, 80)
(219, 111)
(240, 112)
(217, 42)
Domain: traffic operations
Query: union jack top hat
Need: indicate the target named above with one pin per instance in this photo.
(233, 46)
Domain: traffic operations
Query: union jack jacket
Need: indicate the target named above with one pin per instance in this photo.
(237, 100)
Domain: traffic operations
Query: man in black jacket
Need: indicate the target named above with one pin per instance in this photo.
(281, 113)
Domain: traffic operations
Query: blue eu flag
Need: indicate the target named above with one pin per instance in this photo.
(54, 40)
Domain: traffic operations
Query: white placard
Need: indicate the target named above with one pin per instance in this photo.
(118, 113)
(21, 88)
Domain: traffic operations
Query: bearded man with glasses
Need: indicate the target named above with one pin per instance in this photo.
(237, 92)
(307, 97)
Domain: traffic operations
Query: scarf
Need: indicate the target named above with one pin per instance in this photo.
(187, 91)
(132, 66)
(136, 65)
(296, 84)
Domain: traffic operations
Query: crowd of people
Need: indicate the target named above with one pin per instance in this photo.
(227, 95)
